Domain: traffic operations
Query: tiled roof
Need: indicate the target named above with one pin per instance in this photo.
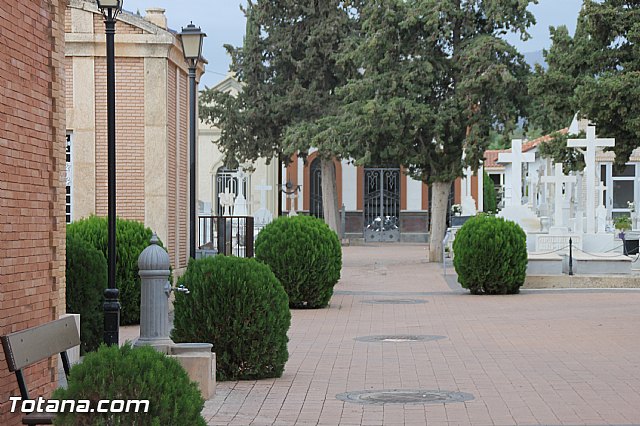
(546, 138)
(491, 158)
(491, 155)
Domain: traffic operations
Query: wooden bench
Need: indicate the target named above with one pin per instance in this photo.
(27, 347)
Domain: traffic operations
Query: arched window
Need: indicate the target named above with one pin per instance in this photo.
(225, 178)
(315, 193)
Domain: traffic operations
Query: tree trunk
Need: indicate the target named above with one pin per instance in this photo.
(439, 203)
(329, 194)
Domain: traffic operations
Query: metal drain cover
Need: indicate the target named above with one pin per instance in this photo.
(395, 301)
(403, 396)
(399, 338)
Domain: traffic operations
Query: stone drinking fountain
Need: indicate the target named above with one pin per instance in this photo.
(196, 358)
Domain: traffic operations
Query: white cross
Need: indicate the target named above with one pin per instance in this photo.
(516, 158)
(263, 188)
(591, 143)
(241, 176)
(558, 179)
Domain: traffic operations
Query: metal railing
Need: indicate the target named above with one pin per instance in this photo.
(228, 235)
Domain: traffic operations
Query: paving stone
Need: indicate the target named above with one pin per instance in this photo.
(566, 356)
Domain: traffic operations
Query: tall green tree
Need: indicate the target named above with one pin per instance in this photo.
(289, 69)
(552, 90)
(595, 72)
(435, 79)
(609, 97)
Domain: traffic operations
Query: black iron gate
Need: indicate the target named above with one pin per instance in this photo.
(382, 204)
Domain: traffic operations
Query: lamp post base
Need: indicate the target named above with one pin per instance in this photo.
(111, 317)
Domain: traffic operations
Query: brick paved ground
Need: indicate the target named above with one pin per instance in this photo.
(541, 357)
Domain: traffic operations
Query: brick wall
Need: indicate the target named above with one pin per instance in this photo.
(121, 27)
(129, 137)
(32, 167)
(183, 169)
(68, 78)
(172, 163)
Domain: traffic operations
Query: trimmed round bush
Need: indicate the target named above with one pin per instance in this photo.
(305, 255)
(132, 238)
(240, 307)
(128, 373)
(86, 278)
(490, 255)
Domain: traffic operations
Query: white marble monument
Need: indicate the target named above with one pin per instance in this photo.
(240, 205)
(558, 179)
(514, 210)
(468, 204)
(263, 216)
(591, 143)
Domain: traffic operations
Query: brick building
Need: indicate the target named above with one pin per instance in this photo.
(151, 122)
(32, 168)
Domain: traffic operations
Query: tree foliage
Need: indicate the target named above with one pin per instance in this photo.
(289, 70)
(556, 148)
(596, 72)
(436, 78)
(489, 199)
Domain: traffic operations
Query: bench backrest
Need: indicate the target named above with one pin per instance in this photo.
(29, 346)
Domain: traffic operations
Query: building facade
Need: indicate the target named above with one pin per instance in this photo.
(214, 178)
(380, 203)
(152, 123)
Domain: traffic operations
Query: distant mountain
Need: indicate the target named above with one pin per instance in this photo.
(536, 57)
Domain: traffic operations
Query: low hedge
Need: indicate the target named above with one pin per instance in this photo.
(490, 255)
(132, 238)
(128, 373)
(305, 255)
(86, 280)
(240, 307)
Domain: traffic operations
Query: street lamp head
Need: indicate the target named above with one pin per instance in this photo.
(110, 8)
(191, 37)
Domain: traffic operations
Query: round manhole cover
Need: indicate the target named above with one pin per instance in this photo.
(394, 301)
(399, 338)
(400, 396)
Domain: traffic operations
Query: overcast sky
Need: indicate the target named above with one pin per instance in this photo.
(224, 23)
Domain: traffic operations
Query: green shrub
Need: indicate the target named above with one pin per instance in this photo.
(131, 239)
(86, 278)
(489, 199)
(490, 255)
(305, 255)
(239, 306)
(128, 373)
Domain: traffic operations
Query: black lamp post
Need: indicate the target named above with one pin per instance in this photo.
(191, 38)
(110, 10)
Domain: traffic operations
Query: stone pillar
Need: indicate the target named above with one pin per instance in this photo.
(153, 264)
